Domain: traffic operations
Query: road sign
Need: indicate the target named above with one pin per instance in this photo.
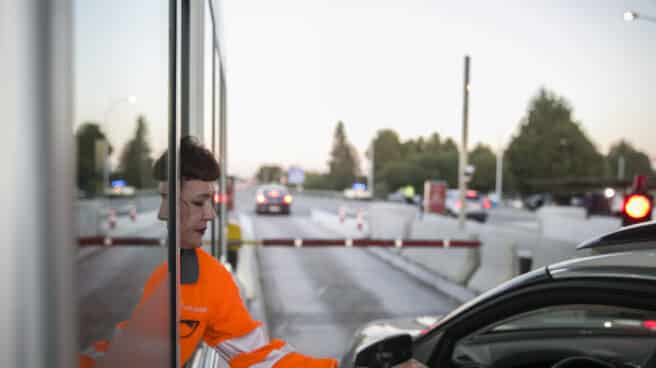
(295, 175)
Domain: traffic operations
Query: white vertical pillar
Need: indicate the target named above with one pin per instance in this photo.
(38, 310)
(197, 70)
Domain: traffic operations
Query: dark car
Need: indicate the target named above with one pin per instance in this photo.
(476, 206)
(595, 311)
(273, 199)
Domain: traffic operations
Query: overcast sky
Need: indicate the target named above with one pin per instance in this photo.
(296, 67)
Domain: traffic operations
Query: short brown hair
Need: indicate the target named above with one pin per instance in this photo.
(196, 162)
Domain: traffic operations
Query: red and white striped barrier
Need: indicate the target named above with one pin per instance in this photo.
(296, 242)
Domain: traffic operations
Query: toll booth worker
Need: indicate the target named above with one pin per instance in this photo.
(210, 307)
(409, 194)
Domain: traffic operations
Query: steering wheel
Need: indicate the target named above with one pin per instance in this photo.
(583, 362)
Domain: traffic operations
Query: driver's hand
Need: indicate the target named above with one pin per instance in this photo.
(412, 363)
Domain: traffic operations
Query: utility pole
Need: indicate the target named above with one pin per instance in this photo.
(372, 150)
(499, 186)
(620, 167)
(463, 149)
(223, 221)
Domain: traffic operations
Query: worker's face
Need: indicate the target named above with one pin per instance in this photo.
(196, 209)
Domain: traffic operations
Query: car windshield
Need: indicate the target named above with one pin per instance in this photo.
(580, 317)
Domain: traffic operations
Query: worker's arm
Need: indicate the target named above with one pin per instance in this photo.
(241, 341)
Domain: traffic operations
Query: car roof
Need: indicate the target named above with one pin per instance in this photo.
(636, 237)
(629, 252)
(625, 265)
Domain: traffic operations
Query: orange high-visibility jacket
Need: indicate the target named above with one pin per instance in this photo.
(211, 310)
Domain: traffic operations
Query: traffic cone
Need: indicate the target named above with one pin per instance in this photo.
(133, 213)
(112, 218)
(360, 219)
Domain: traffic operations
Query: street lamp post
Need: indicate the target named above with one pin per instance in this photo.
(129, 99)
(631, 16)
(462, 184)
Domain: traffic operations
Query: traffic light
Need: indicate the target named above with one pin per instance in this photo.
(638, 205)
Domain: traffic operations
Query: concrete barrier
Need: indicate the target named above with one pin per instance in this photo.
(390, 220)
(499, 263)
(456, 264)
(348, 228)
(248, 272)
(88, 218)
(569, 224)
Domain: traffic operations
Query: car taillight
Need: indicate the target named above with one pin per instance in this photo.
(637, 206)
(458, 204)
(472, 194)
(260, 199)
(219, 198)
(287, 199)
(487, 203)
(649, 324)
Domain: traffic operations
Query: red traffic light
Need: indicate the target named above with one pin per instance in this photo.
(637, 206)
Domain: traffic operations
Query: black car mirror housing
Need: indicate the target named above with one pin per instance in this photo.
(385, 353)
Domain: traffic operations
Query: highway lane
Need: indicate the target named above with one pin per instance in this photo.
(110, 280)
(316, 298)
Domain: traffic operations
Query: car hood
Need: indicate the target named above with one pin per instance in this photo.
(377, 330)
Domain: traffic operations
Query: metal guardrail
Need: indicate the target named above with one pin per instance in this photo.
(292, 242)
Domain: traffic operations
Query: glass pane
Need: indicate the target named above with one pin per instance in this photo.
(121, 129)
(580, 316)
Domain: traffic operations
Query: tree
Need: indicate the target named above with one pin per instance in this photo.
(387, 148)
(344, 164)
(412, 148)
(135, 163)
(269, 174)
(89, 164)
(550, 144)
(485, 162)
(397, 174)
(315, 180)
(635, 161)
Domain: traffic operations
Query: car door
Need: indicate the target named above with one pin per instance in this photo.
(517, 329)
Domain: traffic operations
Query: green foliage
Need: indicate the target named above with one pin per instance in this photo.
(89, 166)
(485, 162)
(136, 163)
(421, 159)
(635, 162)
(387, 148)
(400, 173)
(315, 180)
(439, 166)
(551, 145)
(270, 174)
(344, 165)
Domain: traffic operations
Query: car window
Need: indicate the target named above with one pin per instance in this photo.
(545, 336)
(579, 316)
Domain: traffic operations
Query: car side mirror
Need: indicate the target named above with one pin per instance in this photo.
(385, 353)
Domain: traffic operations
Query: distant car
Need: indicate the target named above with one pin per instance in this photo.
(593, 311)
(357, 191)
(357, 194)
(273, 198)
(399, 197)
(476, 208)
(120, 191)
(535, 201)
